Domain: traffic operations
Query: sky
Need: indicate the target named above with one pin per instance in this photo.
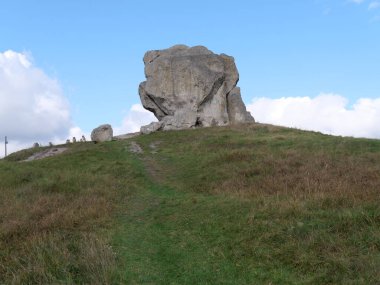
(68, 66)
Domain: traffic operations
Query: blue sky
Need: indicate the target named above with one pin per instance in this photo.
(282, 48)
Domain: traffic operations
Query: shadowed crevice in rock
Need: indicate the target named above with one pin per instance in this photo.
(215, 88)
(189, 87)
(149, 103)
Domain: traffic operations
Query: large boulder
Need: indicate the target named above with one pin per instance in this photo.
(102, 133)
(188, 87)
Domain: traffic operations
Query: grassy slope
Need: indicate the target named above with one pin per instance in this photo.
(240, 205)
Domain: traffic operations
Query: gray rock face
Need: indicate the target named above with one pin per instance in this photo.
(102, 133)
(237, 112)
(188, 87)
(152, 127)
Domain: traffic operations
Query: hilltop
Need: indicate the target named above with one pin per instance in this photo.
(250, 204)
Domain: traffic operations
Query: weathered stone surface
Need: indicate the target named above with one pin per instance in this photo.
(188, 87)
(182, 119)
(102, 133)
(126, 136)
(148, 103)
(237, 111)
(152, 127)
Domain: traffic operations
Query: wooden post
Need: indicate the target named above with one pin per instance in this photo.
(5, 145)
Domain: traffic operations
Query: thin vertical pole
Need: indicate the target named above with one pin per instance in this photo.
(5, 143)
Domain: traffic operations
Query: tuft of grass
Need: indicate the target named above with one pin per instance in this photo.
(250, 204)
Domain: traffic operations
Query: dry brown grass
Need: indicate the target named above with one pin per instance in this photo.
(295, 174)
(52, 222)
(48, 258)
(50, 235)
(257, 160)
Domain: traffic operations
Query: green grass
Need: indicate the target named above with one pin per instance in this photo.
(252, 204)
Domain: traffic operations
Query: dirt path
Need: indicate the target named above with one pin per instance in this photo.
(157, 173)
(135, 147)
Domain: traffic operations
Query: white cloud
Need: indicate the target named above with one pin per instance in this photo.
(373, 5)
(33, 107)
(137, 116)
(327, 113)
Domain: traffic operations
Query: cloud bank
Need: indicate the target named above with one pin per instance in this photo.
(326, 113)
(33, 107)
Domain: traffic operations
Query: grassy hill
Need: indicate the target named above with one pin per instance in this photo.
(252, 204)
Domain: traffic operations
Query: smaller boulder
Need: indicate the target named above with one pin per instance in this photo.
(151, 128)
(103, 133)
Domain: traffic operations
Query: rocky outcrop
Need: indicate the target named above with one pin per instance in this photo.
(152, 127)
(237, 112)
(102, 133)
(190, 87)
